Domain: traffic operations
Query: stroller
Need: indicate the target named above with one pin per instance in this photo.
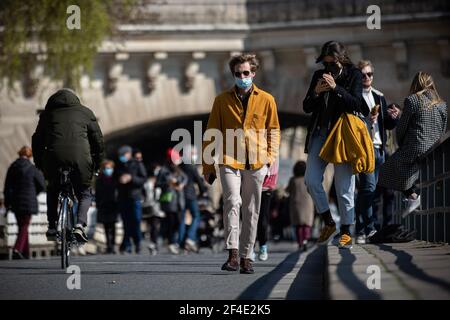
(210, 229)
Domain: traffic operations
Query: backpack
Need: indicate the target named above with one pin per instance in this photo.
(394, 233)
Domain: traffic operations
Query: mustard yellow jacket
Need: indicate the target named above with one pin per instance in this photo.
(349, 142)
(256, 136)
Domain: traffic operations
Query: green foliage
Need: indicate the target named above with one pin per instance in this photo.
(35, 31)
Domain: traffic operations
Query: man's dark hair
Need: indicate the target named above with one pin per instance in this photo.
(337, 50)
(243, 58)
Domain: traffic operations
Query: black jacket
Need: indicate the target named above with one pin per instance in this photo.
(385, 122)
(68, 135)
(177, 199)
(346, 97)
(23, 183)
(133, 189)
(193, 177)
(106, 199)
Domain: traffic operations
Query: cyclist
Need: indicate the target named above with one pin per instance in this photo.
(68, 135)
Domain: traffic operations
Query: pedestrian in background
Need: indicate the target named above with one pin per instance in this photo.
(301, 206)
(423, 122)
(385, 197)
(380, 119)
(106, 203)
(151, 209)
(269, 184)
(172, 180)
(130, 176)
(188, 240)
(22, 185)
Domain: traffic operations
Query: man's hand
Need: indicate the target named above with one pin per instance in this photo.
(329, 80)
(393, 112)
(373, 118)
(321, 86)
(125, 178)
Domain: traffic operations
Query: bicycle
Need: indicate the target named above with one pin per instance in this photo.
(66, 217)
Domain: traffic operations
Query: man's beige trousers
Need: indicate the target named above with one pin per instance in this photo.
(249, 199)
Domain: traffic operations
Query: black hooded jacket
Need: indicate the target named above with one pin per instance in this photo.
(23, 183)
(68, 135)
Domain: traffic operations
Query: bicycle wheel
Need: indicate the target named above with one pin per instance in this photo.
(64, 235)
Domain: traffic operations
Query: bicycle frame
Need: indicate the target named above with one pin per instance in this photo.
(66, 218)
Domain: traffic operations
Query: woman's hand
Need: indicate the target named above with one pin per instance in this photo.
(329, 80)
(321, 86)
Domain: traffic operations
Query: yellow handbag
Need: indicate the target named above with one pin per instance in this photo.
(349, 142)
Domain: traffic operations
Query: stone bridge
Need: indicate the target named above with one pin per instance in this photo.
(172, 62)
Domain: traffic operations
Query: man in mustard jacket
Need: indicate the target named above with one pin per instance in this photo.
(247, 120)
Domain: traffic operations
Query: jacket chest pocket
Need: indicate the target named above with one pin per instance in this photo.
(258, 121)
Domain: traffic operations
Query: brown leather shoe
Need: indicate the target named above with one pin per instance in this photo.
(232, 263)
(247, 266)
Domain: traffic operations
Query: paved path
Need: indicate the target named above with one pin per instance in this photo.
(415, 270)
(164, 276)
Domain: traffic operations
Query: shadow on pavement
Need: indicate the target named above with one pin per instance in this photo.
(310, 280)
(405, 264)
(261, 288)
(350, 280)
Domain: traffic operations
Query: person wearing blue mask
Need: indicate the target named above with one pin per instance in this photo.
(106, 203)
(247, 109)
(130, 176)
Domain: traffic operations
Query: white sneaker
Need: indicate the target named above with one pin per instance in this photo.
(191, 245)
(361, 239)
(152, 248)
(412, 205)
(263, 256)
(173, 248)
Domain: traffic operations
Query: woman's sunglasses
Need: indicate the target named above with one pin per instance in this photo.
(368, 74)
(245, 73)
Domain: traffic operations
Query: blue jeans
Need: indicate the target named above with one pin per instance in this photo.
(131, 213)
(192, 205)
(365, 219)
(344, 180)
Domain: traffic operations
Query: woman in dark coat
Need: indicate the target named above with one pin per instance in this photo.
(106, 202)
(22, 185)
(334, 90)
(423, 122)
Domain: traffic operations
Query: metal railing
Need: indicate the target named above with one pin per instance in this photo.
(432, 221)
